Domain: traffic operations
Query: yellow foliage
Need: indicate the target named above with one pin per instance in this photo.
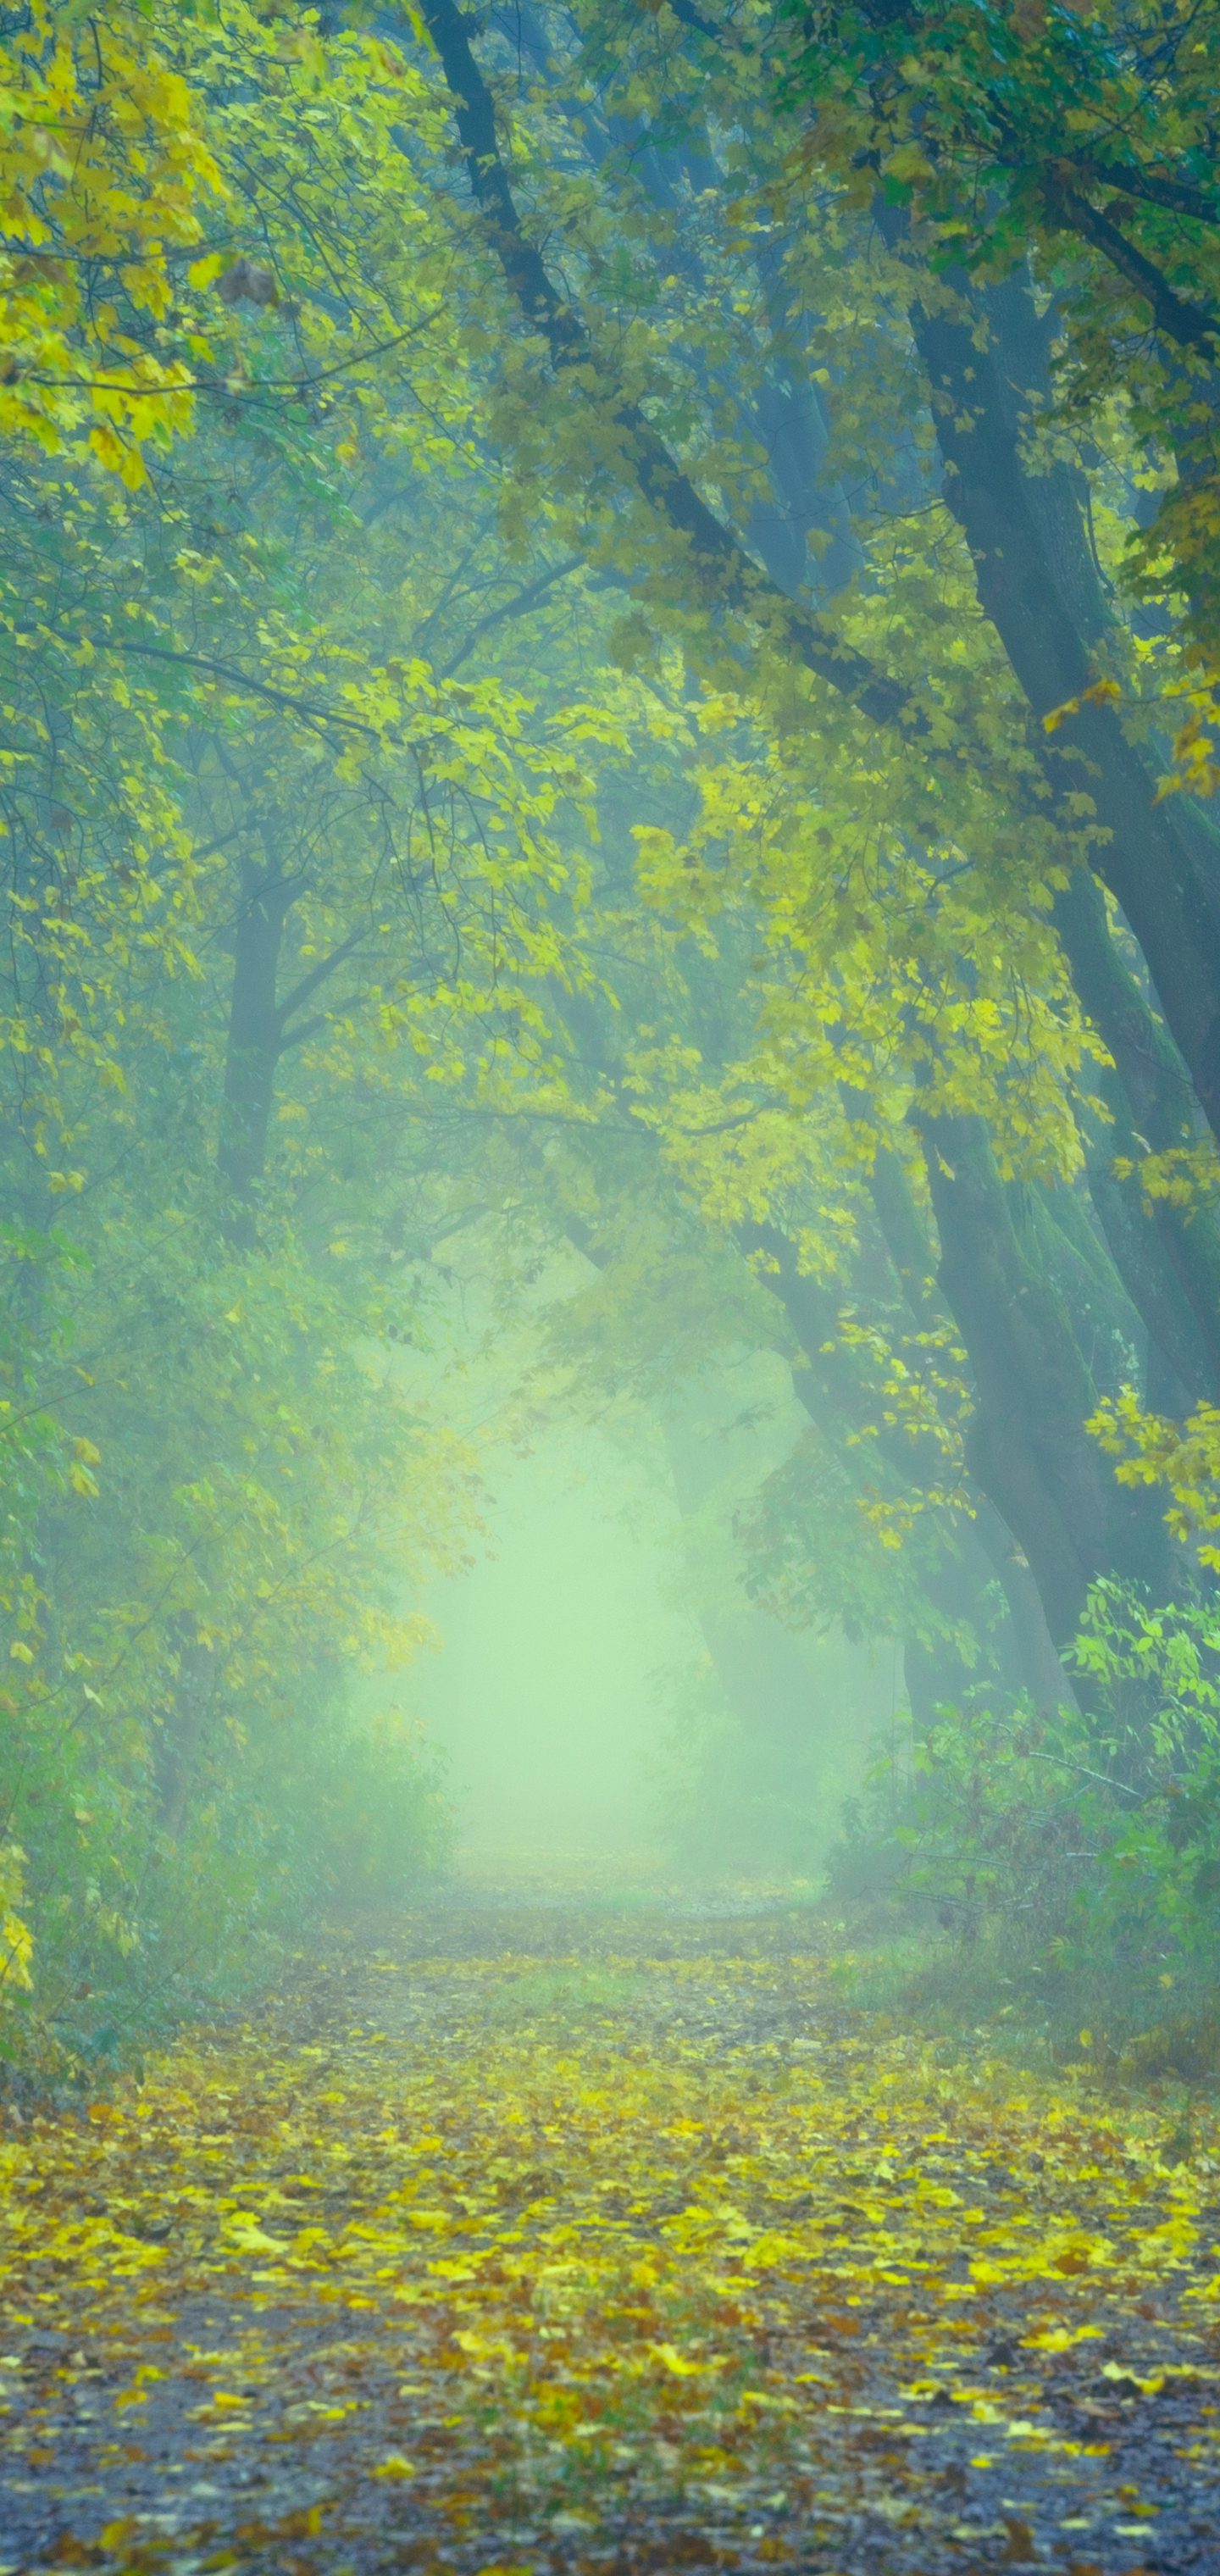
(104, 171)
(16, 1944)
(1182, 1456)
(1184, 1176)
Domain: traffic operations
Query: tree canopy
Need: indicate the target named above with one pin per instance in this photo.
(609, 626)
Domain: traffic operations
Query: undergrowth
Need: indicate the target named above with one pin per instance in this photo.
(1053, 1876)
(115, 1929)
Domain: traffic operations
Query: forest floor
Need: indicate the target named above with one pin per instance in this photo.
(519, 2235)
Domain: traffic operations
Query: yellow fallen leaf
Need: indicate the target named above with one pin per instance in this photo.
(249, 2237)
(675, 2361)
(543, 2330)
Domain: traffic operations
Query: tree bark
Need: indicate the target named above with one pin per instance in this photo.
(1031, 1452)
(914, 1260)
(1038, 579)
(1157, 863)
(1027, 1446)
(1042, 1672)
(826, 1386)
(1169, 1260)
(1151, 858)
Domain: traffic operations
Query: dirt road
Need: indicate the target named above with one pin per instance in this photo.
(540, 2237)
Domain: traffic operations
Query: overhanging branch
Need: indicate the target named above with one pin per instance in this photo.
(720, 562)
(1190, 326)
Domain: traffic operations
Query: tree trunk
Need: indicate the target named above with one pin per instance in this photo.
(255, 1040)
(183, 1734)
(1169, 1261)
(955, 1588)
(914, 1260)
(1158, 862)
(1151, 856)
(1041, 1670)
(1027, 1445)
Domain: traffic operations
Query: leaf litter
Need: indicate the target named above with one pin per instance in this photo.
(535, 2239)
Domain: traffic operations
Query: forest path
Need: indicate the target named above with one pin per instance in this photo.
(518, 2236)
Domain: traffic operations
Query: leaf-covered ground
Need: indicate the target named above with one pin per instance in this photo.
(541, 2239)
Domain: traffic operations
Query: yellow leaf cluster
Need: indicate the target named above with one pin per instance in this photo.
(1184, 1457)
(16, 1944)
(104, 173)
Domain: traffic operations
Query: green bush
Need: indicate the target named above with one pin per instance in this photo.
(370, 1814)
(1078, 1855)
(134, 1927)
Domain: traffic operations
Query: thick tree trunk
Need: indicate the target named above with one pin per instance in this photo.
(1169, 1260)
(911, 1252)
(826, 1385)
(1041, 1669)
(1027, 1446)
(1159, 863)
(1151, 856)
(1039, 584)
(1033, 1455)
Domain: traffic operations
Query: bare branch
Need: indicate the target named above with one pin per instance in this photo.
(309, 983)
(518, 606)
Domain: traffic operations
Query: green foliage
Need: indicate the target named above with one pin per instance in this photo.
(135, 1925)
(373, 1815)
(1079, 1852)
(372, 865)
(273, 883)
(1076, 144)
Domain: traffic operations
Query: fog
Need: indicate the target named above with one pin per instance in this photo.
(596, 1668)
(543, 1690)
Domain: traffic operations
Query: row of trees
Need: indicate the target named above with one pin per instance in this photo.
(609, 632)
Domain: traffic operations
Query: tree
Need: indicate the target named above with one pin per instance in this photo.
(275, 883)
(610, 679)
(1042, 828)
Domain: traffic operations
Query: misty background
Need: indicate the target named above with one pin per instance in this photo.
(599, 1650)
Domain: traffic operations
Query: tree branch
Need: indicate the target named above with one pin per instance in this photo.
(282, 698)
(1190, 325)
(309, 983)
(518, 606)
(688, 16)
(718, 557)
(308, 1028)
(1136, 182)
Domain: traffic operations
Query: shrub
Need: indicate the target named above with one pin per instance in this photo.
(134, 1926)
(1082, 1850)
